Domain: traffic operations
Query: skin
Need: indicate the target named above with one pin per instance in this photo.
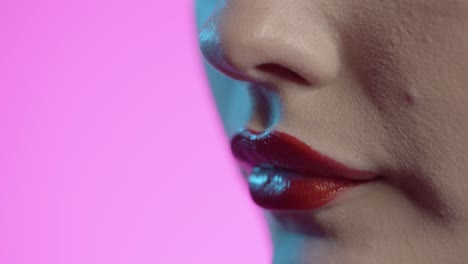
(377, 85)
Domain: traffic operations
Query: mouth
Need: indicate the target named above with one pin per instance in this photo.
(286, 174)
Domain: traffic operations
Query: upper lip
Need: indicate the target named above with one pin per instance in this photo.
(285, 152)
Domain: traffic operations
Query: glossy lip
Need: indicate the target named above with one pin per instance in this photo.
(287, 174)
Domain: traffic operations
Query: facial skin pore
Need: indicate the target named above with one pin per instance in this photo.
(378, 85)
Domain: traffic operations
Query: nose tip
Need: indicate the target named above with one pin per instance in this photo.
(269, 43)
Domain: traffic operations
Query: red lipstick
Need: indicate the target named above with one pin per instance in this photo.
(287, 174)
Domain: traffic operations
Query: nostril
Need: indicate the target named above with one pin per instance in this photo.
(282, 72)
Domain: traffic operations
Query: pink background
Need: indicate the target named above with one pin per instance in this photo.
(111, 150)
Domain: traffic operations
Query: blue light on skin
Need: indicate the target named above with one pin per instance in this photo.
(233, 99)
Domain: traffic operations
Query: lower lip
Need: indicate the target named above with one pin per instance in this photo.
(279, 190)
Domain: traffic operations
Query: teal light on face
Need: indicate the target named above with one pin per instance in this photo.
(267, 105)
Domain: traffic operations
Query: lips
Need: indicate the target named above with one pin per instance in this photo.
(287, 174)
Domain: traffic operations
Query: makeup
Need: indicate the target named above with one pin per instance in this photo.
(287, 174)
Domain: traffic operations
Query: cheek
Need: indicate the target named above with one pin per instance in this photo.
(413, 67)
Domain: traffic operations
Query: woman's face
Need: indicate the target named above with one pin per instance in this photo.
(380, 86)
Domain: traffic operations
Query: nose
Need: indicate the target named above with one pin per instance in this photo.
(275, 42)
